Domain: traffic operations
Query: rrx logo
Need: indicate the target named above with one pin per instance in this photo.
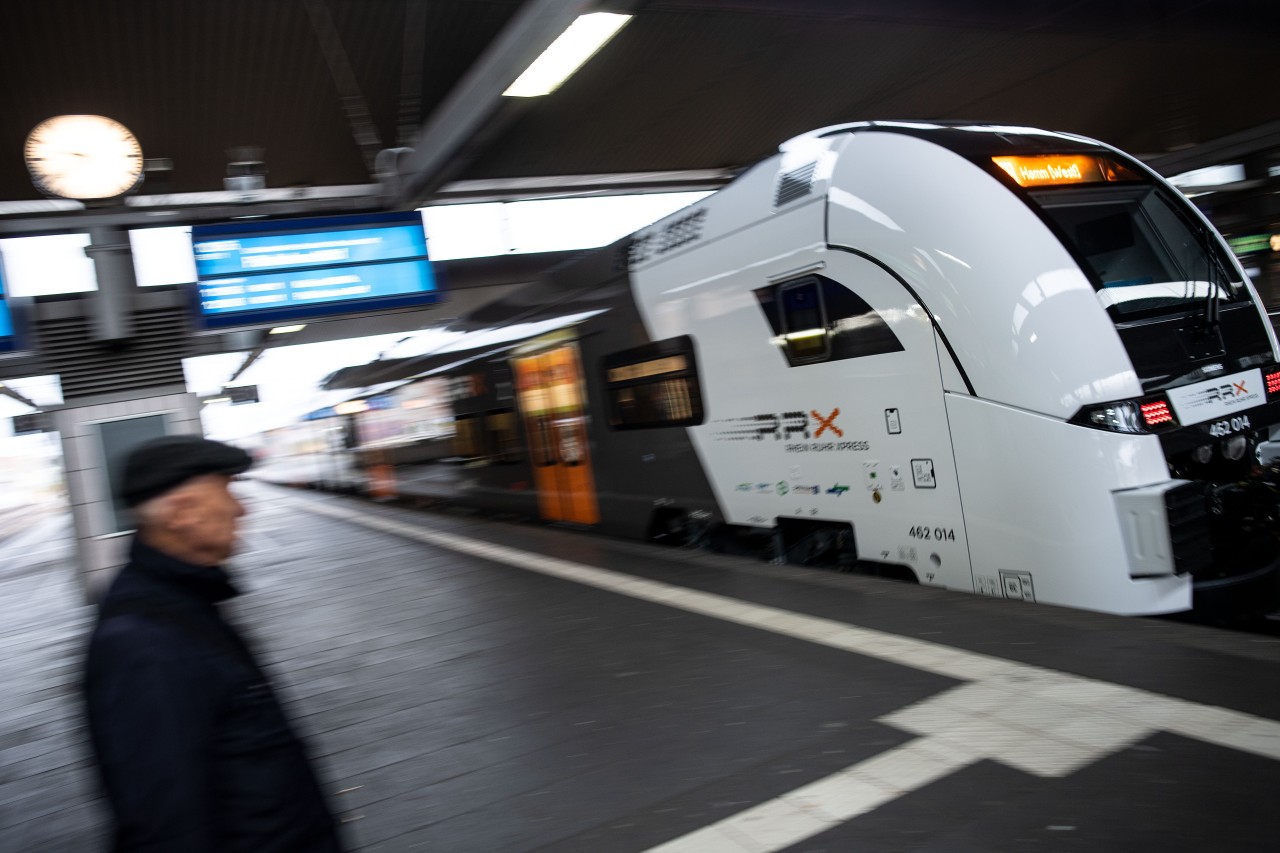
(788, 425)
(1222, 392)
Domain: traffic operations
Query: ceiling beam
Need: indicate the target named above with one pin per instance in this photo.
(576, 186)
(344, 81)
(26, 218)
(412, 71)
(248, 360)
(477, 98)
(12, 394)
(1226, 149)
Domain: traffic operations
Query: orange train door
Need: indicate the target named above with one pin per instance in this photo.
(550, 390)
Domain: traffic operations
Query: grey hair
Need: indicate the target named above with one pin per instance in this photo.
(156, 511)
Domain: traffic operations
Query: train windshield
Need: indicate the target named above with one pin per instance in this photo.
(1144, 254)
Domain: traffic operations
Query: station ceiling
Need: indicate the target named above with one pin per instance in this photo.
(323, 86)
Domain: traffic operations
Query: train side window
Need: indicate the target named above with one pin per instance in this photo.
(504, 434)
(655, 385)
(804, 321)
(469, 438)
(815, 319)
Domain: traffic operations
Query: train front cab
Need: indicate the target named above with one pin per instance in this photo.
(1205, 354)
(1107, 370)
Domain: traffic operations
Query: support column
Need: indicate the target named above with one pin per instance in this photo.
(111, 308)
(96, 437)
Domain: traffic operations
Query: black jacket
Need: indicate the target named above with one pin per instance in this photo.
(194, 751)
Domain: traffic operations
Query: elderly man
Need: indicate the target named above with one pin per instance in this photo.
(194, 750)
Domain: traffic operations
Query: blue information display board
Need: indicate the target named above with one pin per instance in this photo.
(7, 337)
(266, 272)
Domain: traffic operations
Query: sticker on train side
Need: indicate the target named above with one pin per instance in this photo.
(657, 242)
(799, 429)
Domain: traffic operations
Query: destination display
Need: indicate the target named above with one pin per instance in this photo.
(1056, 170)
(265, 272)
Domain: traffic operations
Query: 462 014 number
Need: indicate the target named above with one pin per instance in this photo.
(1217, 429)
(936, 534)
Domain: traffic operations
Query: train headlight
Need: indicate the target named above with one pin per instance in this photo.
(1117, 417)
(1147, 415)
(1203, 453)
(1234, 447)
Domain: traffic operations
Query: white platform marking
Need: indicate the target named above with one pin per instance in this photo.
(1038, 720)
(822, 805)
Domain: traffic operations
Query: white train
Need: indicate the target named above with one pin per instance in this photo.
(1013, 362)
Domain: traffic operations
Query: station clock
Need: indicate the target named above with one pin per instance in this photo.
(83, 157)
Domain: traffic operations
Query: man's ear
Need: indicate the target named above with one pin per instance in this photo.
(182, 505)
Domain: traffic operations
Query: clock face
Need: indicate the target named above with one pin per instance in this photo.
(83, 157)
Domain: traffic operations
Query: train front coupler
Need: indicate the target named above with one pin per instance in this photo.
(1242, 581)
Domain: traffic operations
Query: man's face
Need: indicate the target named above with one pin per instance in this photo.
(208, 517)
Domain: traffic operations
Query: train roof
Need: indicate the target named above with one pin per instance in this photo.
(967, 138)
(587, 281)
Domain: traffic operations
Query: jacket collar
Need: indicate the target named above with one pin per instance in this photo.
(207, 583)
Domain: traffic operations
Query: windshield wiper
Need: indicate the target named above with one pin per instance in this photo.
(1212, 306)
(1213, 299)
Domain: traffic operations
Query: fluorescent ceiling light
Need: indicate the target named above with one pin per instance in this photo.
(578, 43)
(1210, 176)
(284, 330)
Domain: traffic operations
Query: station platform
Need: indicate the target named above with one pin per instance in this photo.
(473, 685)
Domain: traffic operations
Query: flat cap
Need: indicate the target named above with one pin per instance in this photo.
(154, 467)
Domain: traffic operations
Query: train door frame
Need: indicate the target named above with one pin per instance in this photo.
(551, 396)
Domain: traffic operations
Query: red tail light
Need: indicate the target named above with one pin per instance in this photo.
(1156, 412)
(1273, 382)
